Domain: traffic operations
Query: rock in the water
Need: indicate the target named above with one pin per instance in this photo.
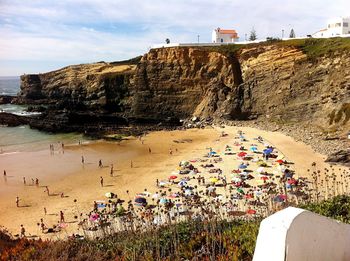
(12, 120)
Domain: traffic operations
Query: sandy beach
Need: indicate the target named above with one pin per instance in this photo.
(64, 172)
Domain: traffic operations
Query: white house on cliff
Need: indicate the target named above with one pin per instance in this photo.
(224, 36)
(335, 27)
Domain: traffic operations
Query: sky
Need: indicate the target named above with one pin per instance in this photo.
(41, 35)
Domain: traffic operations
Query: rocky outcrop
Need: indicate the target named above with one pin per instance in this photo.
(342, 156)
(100, 86)
(11, 120)
(5, 99)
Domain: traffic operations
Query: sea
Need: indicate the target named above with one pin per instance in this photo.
(23, 138)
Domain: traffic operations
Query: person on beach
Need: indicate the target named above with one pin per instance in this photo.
(170, 151)
(62, 195)
(61, 216)
(149, 150)
(37, 182)
(131, 164)
(112, 170)
(42, 225)
(100, 164)
(82, 160)
(95, 206)
(17, 201)
(45, 211)
(32, 181)
(101, 181)
(23, 232)
(24, 181)
(47, 190)
(5, 173)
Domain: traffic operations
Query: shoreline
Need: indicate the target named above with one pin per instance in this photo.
(82, 182)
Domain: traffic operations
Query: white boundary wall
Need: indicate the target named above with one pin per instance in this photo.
(157, 46)
(295, 234)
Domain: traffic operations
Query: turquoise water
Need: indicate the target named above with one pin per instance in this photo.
(23, 138)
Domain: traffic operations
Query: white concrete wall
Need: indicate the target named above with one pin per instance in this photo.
(294, 235)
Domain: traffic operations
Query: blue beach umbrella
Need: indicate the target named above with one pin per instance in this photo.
(242, 166)
(268, 151)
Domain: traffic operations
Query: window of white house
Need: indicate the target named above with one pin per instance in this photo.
(222, 40)
(337, 24)
(345, 24)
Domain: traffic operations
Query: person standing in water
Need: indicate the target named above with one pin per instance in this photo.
(112, 170)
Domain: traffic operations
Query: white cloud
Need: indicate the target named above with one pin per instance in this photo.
(69, 31)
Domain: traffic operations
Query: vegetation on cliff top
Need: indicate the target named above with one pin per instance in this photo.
(312, 47)
(219, 240)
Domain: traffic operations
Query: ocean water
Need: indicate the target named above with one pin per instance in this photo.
(23, 138)
(9, 85)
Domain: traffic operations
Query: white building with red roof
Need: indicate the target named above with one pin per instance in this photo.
(224, 36)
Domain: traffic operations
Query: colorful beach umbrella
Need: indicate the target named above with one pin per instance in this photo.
(253, 148)
(242, 166)
(242, 154)
(251, 211)
(173, 177)
(280, 161)
(213, 180)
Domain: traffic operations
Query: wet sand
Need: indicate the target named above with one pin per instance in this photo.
(64, 172)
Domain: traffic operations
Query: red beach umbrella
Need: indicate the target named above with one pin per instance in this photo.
(173, 177)
(291, 181)
(251, 211)
(242, 154)
(280, 161)
(264, 178)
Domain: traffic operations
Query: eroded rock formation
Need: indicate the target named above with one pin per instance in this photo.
(275, 81)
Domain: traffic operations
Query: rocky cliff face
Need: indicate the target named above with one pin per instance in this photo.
(181, 82)
(100, 86)
(275, 81)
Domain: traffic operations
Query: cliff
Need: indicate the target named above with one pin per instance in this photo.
(295, 82)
